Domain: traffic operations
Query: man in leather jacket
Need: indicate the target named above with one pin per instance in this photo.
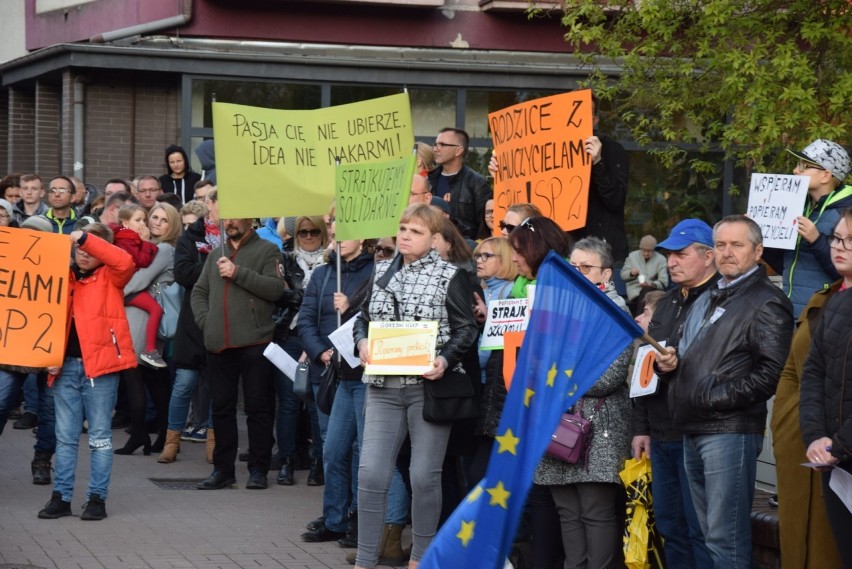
(733, 346)
(465, 189)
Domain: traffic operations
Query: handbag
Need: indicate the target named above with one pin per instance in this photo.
(572, 439)
(170, 298)
(302, 381)
(329, 380)
(449, 399)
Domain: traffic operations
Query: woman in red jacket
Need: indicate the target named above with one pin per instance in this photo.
(98, 346)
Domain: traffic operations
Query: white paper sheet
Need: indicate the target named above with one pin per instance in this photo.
(841, 483)
(345, 343)
(281, 359)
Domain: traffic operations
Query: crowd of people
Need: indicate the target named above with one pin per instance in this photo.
(171, 308)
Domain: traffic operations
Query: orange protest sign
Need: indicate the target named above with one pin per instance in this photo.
(540, 150)
(33, 297)
(511, 347)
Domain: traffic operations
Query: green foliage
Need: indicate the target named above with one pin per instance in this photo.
(749, 77)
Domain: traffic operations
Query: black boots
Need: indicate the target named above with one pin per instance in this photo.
(316, 477)
(41, 468)
(285, 476)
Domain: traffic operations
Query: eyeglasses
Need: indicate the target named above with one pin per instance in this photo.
(445, 144)
(507, 227)
(385, 251)
(311, 232)
(845, 242)
(59, 191)
(527, 223)
(802, 165)
(489, 213)
(585, 269)
(483, 256)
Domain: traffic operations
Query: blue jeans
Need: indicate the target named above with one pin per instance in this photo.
(673, 509)
(399, 501)
(342, 449)
(10, 387)
(76, 397)
(286, 415)
(721, 469)
(186, 380)
(31, 394)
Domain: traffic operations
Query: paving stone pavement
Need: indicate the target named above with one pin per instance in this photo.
(153, 528)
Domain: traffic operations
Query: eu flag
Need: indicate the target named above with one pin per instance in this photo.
(575, 332)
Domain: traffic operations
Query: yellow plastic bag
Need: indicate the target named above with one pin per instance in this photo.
(641, 543)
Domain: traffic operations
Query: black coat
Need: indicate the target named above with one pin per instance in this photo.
(731, 368)
(189, 341)
(825, 409)
(469, 191)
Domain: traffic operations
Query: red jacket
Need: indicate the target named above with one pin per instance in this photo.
(143, 252)
(97, 304)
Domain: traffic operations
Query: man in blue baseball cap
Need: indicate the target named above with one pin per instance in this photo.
(689, 258)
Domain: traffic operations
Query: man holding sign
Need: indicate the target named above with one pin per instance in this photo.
(808, 267)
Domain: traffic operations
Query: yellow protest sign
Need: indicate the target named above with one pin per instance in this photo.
(542, 159)
(371, 198)
(34, 269)
(282, 162)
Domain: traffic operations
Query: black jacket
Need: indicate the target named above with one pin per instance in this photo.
(651, 414)
(731, 368)
(469, 190)
(825, 409)
(607, 196)
(189, 341)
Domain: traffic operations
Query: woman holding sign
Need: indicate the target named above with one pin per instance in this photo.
(417, 285)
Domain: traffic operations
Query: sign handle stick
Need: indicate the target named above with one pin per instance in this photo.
(649, 340)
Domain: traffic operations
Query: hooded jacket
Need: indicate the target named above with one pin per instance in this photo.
(731, 368)
(206, 154)
(20, 215)
(96, 302)
(183, 187)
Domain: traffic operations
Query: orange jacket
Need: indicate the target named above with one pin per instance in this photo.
(97, 304)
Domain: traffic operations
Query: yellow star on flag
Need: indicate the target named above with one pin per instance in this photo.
(499, 495)
(466, 532)
(551, 375)
(507, 443)
(527, 396)
(572, 391)
(474, 494)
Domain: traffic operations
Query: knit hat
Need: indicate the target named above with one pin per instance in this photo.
(828, 155)
(290, 225)
(38, 223)
(7, 206)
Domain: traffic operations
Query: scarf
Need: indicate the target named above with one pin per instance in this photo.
(212, 237)
(308, 261)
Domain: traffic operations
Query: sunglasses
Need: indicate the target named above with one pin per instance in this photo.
(311, 232)
(483, 256)
(385, 251)
(508, 227)
(803, 165)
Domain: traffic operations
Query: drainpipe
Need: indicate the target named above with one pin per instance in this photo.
(148, 27)
(79, 126)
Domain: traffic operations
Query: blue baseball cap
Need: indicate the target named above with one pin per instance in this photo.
(686, 233)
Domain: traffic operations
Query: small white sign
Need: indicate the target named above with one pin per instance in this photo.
(281, 359)
(644, 381)
(344, 342)
(774, 203)
(508, 315)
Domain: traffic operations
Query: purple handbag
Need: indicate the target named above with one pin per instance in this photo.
(572, 439)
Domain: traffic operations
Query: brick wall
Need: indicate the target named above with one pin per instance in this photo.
(130, 119)
(4, 132)
(21, 128)
(47, 129)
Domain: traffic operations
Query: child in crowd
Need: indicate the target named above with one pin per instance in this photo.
(131, 235)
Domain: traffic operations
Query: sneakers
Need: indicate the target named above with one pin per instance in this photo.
(199, 435)
(55, 508)
(187, 433)
(95, 509)
(27, 421)
(153, 358)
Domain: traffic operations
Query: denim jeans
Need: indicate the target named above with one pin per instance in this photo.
(76, 397)
(341, 449)
(399, 501)
(186, 380)
(391, 414)
(31, 394)
(721, 469)
(673, 508)
(10, 387)
(286, 415)
(321, 419)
